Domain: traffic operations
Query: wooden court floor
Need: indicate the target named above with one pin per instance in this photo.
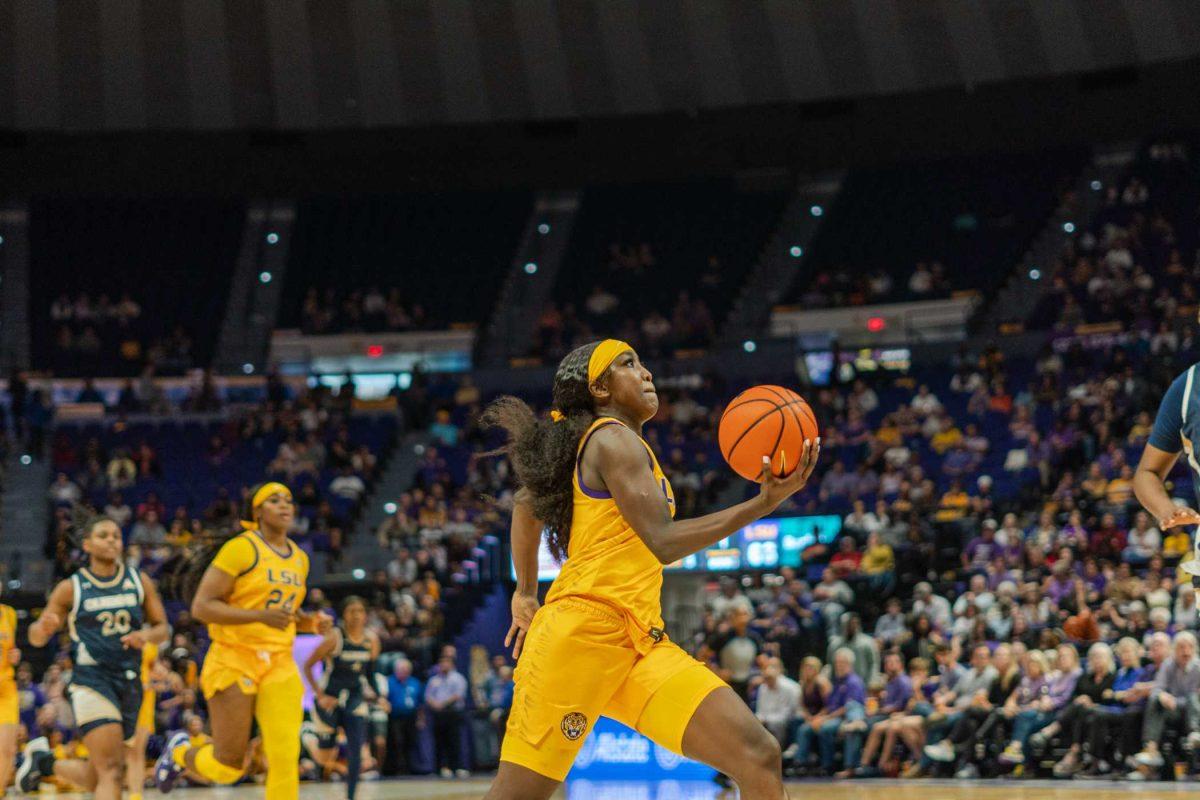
(474, 788)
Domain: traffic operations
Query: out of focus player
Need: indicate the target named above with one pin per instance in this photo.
(1176, 429)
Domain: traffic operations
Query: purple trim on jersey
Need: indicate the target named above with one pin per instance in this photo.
(599, 495)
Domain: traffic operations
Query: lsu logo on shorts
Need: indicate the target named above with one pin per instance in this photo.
(573, 725)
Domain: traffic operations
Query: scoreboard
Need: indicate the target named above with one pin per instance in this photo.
(770, 543)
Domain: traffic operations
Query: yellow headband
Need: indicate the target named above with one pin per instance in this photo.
(260, 497)
(602, 357)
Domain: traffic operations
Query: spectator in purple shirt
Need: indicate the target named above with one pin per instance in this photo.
(30, 697)
(982, 548)
(866, 481)
(846, 702)
(1073, 534)
(1038, 704)
(1061, 583)
(897, 691)
(959, 461)
(837, 482)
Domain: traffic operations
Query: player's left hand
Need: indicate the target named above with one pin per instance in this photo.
(322, 623)
(134, 640)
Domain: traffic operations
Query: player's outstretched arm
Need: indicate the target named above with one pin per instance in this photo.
(621, 462)
(526, 535)
(51, 620)
(1149, 485)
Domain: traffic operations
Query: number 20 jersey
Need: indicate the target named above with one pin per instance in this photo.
(263, 578)
(102, 612)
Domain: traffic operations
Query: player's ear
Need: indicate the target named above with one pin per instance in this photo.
(600, 391)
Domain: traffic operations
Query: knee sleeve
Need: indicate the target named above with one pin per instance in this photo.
(280, 716)
(207, 767)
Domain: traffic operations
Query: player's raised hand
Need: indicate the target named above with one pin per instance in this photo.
(1182, 515)
(774, 489)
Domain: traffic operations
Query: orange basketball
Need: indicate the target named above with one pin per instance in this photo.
(765, 421)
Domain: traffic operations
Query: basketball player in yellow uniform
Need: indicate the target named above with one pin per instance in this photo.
(250, 597)
(10, 715)
(135, 754)
(598, 646)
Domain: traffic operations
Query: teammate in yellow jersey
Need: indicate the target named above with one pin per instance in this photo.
(250, 597)
(135, 753)
(598, 645)
(10, 656)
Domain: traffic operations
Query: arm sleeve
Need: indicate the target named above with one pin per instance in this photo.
(236, 557)
(1167, 424)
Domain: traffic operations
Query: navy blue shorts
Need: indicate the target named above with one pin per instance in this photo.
(100, 697)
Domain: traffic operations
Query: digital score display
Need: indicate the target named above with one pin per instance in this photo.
(819, 366)
(767, 544)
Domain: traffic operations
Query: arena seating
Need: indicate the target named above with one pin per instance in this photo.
(648, 246)
(1136, 263)
(172, 257)
(188, 463)
(967, 220)
(445, 255)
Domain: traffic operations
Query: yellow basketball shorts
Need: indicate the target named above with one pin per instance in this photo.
(578, 663)
(227, 665)
(10, 706)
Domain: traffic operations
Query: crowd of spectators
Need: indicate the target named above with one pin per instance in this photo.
(684, 323)
(102, 336)
(845, 287)
(132, 472)
(1136, 264)
(984, 593)
(371, 311)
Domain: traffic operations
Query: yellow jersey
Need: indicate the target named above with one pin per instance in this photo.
(606, 560)
(263, 578)
(8, 640)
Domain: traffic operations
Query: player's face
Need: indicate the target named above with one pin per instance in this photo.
(104, 541)
(630, 387)
(355, 616)
(277, 511)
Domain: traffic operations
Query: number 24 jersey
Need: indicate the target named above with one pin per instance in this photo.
(263, 578)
